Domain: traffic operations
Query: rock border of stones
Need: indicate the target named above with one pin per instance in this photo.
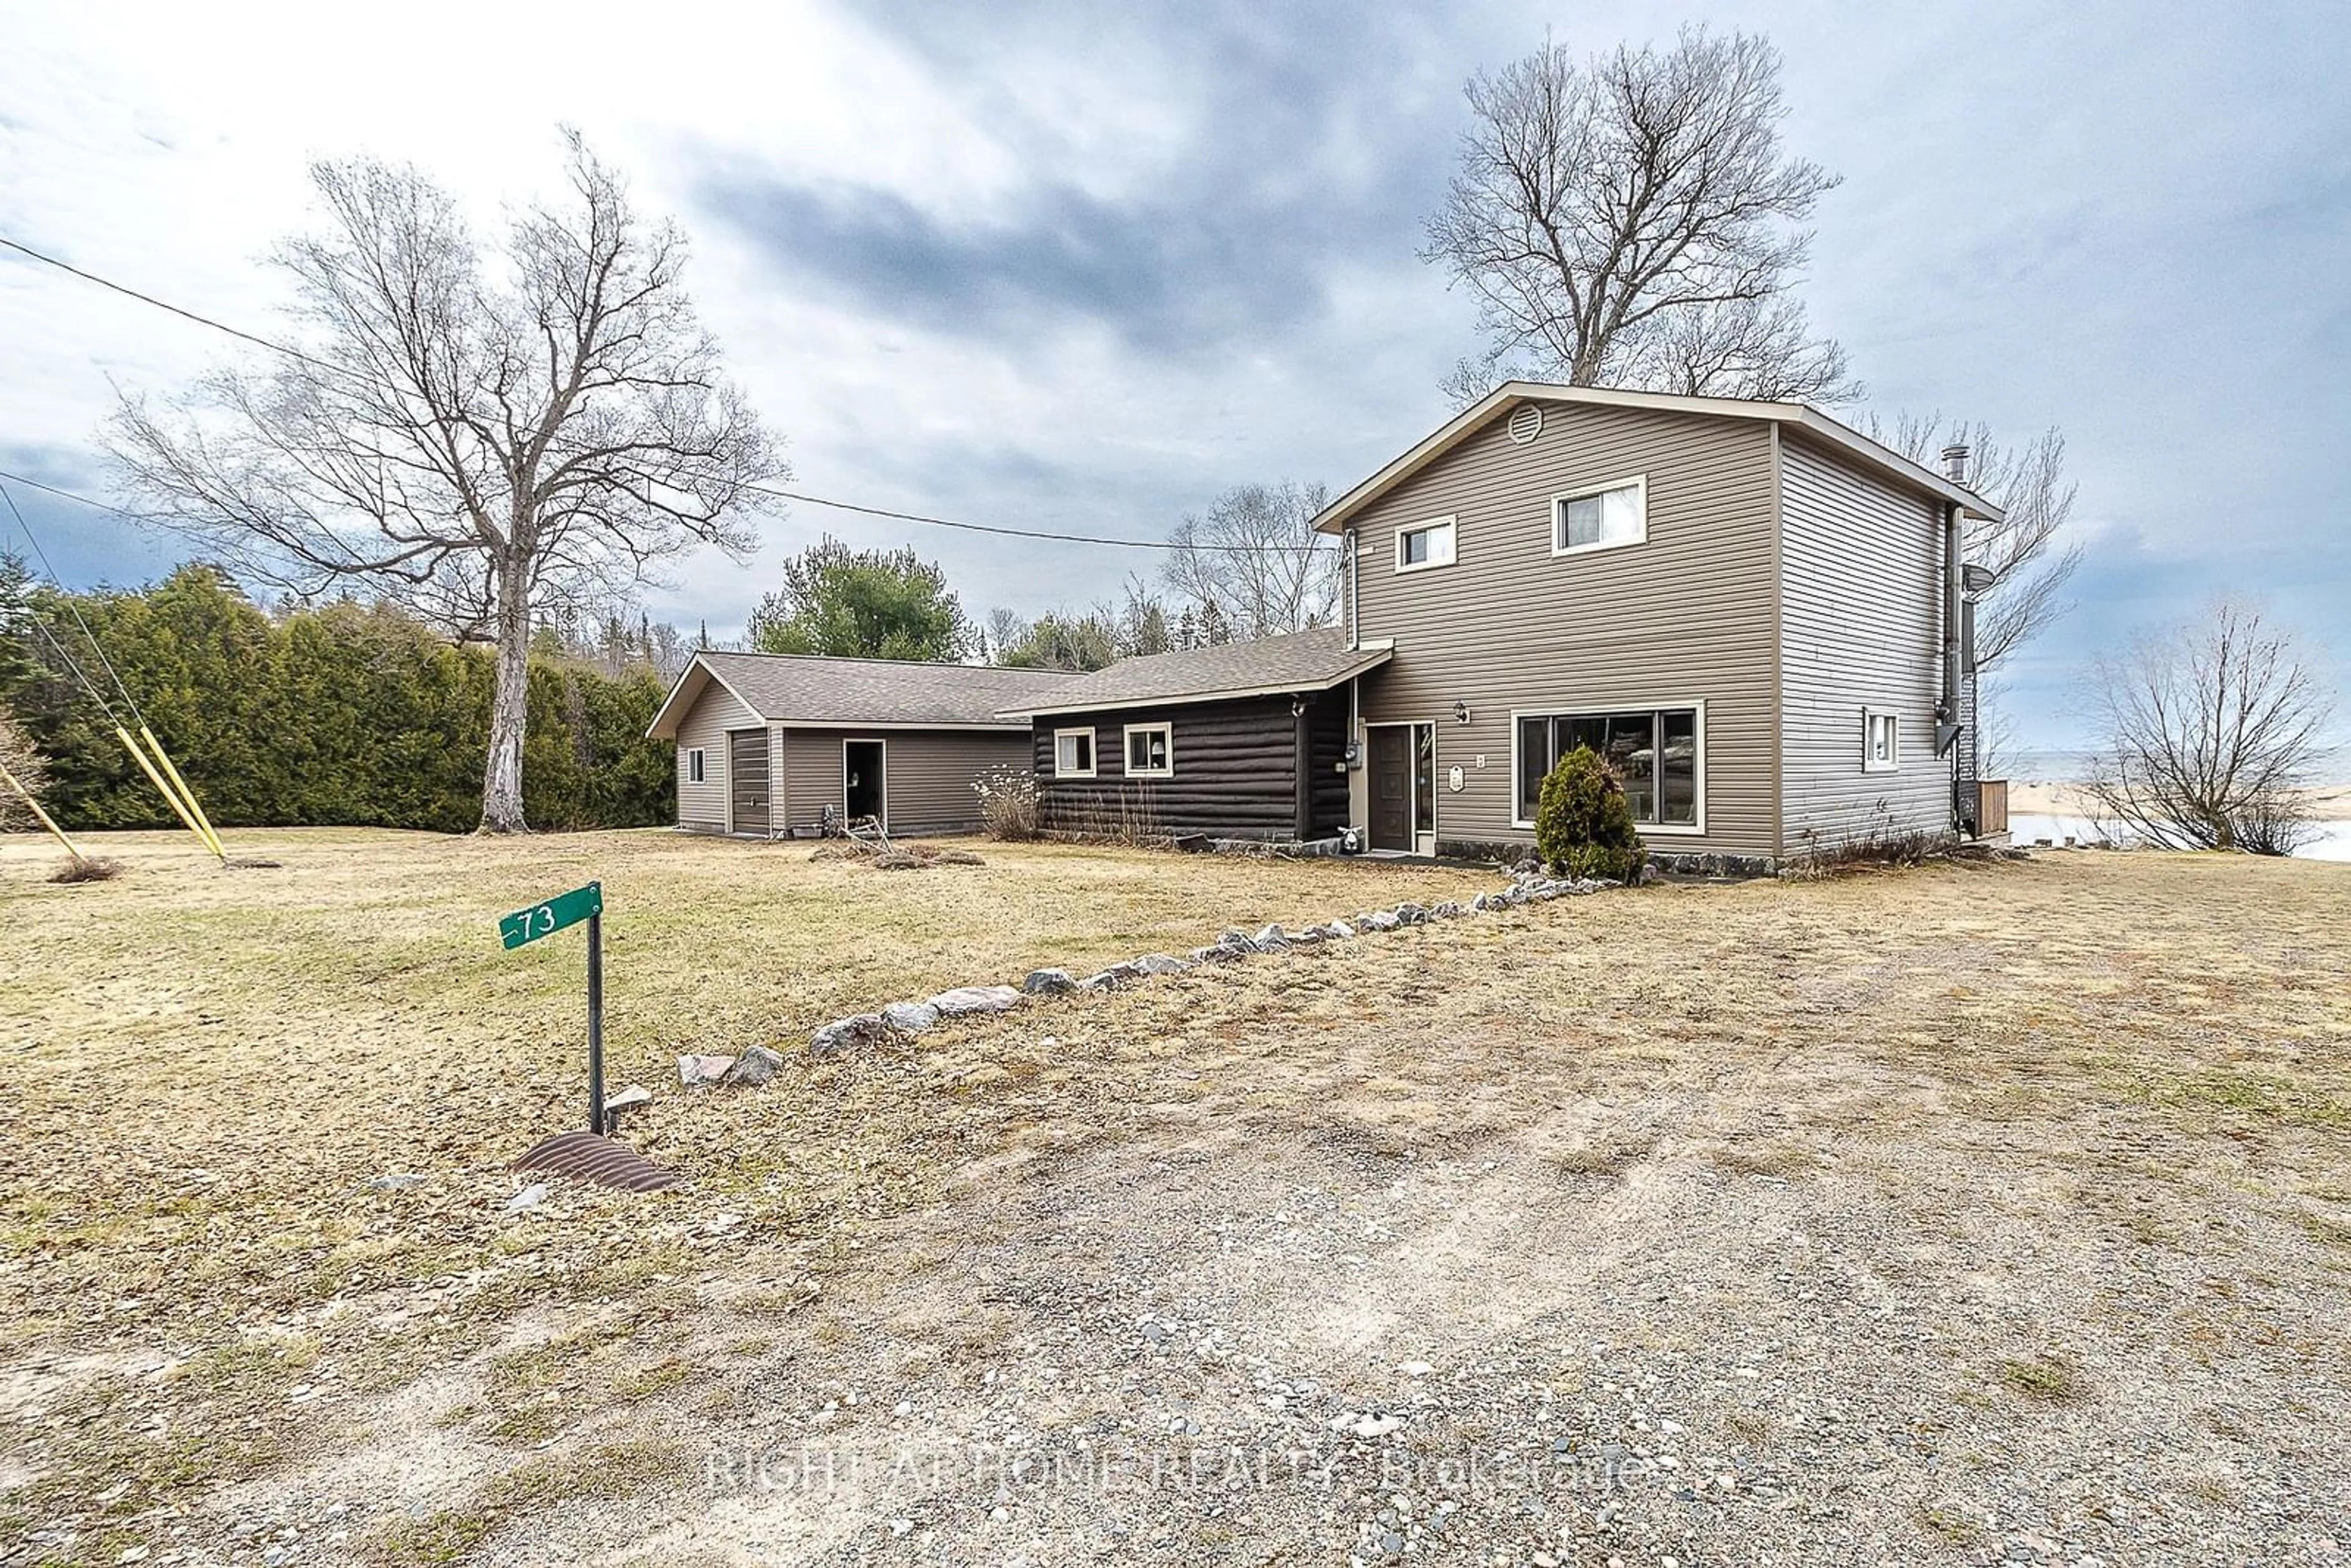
(903, 1020)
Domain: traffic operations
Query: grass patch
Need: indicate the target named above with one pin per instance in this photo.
(2043, 1378)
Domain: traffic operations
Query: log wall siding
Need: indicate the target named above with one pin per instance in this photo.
(1862, 568)
(702, 806)
(927, 774)
(1687, 617)
(1236, 770)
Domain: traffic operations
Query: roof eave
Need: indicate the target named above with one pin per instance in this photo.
(1372, 659)
(1334, 518)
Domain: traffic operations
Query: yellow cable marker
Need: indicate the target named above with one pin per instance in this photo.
(46, 821)
(156, 778)
(203, 823)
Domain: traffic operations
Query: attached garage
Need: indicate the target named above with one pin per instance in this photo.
(775, 744)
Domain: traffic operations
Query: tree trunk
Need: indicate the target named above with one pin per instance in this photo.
(509, 708)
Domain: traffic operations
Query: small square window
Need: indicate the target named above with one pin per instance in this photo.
(694, 766)
(1073, 754)
(1150, 751)
(1881, 741)
(1425, 545)
(1603, 518)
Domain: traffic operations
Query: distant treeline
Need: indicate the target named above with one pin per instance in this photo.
(342, 714)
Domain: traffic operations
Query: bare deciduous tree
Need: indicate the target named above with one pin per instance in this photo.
(483, 438)
(1254, 562)
(2028, 563)
(1632, 220)
(2212, 731)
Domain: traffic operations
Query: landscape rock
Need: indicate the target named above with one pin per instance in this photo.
(756, 1066)
(1234, 939)
(529, 1199)
(1448, 909)
(1162, 964)
(627, 1099)
(1381, 920)
(1340, 930)
(965, 1000)
(909, 1018)
(1219, 954)
(1273, 939)
(1307, 935)
(701, 1071)
(858, 1032)
(1113, 978)
(1411, 914)
(1047, 983)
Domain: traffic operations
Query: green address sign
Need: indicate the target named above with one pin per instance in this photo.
(546, 919)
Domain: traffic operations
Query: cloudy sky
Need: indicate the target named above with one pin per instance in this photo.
(1081, 267)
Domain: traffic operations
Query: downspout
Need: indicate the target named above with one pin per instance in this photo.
(1355, 616)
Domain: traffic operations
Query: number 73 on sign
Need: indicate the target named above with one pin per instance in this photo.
(546, 919)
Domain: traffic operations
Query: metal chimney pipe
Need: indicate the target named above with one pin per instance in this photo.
(1955, 462)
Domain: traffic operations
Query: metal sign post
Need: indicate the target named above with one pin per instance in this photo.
(546, 919)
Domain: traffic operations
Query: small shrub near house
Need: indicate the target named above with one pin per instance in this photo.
(1007, 803)
(1583, 824)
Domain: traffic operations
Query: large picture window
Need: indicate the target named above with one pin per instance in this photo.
(1655, 752)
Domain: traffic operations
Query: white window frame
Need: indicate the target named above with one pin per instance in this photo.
(1452, 534)
(1638, 483)
(1094, 752)
(1870, 717)
(1696, 829)
(695, 768)
(1127, 751)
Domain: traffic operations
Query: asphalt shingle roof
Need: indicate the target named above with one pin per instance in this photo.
(1299, 661)
(791, 688)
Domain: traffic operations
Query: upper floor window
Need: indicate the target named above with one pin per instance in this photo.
(1425, 545)
(1150, 751)
(1881, 741)
(694, 766)
(1603, 518)
(1073, 754)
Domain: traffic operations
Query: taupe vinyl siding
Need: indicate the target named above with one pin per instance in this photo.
(702, 806)
(1685, 618)
(1861, 628)
(927, 774)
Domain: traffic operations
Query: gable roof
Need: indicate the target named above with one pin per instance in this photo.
(864, 694)
(1269, 666)
(1803, 417)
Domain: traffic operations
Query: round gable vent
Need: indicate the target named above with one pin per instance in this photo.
(1526, 423)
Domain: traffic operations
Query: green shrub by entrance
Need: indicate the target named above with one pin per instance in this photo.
(1583, 824)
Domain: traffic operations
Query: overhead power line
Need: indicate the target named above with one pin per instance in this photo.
(801, 496)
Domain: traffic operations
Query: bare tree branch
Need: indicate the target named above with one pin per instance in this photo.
(1631, 220)
(1254, 562)
(487, 437)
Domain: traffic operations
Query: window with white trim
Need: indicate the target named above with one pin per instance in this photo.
(1150, 751)
(1073, 754)
(1425, 545)
(1603, 518)
(1654, 753)
(694, 766)
(1881, 741)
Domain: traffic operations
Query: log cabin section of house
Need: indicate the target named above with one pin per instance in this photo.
(1244, 740)
(770, 743)
(1743, 605)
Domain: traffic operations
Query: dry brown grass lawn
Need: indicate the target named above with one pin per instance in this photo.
(2052, 1088)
